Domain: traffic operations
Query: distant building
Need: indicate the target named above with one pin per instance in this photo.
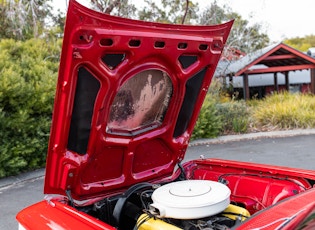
(263, 84)
(274, 68)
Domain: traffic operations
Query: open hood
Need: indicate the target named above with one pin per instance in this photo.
(128, 96)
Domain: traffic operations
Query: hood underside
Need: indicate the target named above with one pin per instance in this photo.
(128, 95)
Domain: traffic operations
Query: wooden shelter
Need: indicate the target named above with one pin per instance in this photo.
(277, 58)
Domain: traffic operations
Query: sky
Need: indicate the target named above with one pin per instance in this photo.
(280, 19)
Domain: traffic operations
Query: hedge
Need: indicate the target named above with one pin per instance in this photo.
(209, 123)
(28, 73)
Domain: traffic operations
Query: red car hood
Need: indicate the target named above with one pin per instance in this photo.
(128, 95)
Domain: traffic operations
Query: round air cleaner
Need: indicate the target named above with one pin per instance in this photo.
(190, 199)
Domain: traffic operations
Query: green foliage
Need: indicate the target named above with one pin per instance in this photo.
(209, 122)
(169, 11)
(221, 115)
(234, 115)
(285, 111)
(23, 19)
(28, 73)
(275, 112)
(301, 43)
(244, 36)
(240, 124)
(122, 8)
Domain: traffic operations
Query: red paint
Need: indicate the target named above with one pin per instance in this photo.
(253, 186)
(55, 215)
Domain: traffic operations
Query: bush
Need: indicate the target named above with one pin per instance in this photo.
(209, 122)
(286, 111)
(221, 115)
(234, 116)
(27, 87)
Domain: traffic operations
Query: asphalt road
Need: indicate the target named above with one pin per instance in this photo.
(293, 151)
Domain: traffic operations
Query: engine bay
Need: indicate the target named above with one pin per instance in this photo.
(188, 204)
(201, 197)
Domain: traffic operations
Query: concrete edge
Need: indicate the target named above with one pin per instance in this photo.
(39, 173)
(21, 178)
(250, 136)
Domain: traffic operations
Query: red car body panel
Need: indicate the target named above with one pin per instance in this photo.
(128, 95)
(297, 213)
(55, 215)
(268, 184)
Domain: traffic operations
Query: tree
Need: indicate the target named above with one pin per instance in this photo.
(121, 8)
(244, 37)
(23, 19)
(169, 11)
(151, 10)
(301, 43)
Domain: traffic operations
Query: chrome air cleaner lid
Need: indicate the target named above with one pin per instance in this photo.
(190, 199)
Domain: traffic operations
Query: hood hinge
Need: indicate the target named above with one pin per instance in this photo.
(70, 199)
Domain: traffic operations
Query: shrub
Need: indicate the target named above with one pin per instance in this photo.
(234, 116)
(28, 72)
(209, 122)
(286, 111)
(240, 124)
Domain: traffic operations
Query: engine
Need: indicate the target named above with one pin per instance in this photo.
(187, 204)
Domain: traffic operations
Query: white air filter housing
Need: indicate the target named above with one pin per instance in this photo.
(190, 199)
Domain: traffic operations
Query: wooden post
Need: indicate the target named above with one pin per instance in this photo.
(275, 77)
(312, 71)
(287, 83)
(245, 87)
(230, 86)
(231, 83)
(224, 82)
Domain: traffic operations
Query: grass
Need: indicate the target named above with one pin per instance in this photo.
(285, 111)
(281, 111)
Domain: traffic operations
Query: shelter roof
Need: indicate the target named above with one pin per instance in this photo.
(277, 57)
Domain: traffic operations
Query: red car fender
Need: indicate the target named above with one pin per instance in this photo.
(292, 213)
(56, 215)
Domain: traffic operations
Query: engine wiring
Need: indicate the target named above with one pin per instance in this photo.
(183, 175)
(145, 194)
(71, 201)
